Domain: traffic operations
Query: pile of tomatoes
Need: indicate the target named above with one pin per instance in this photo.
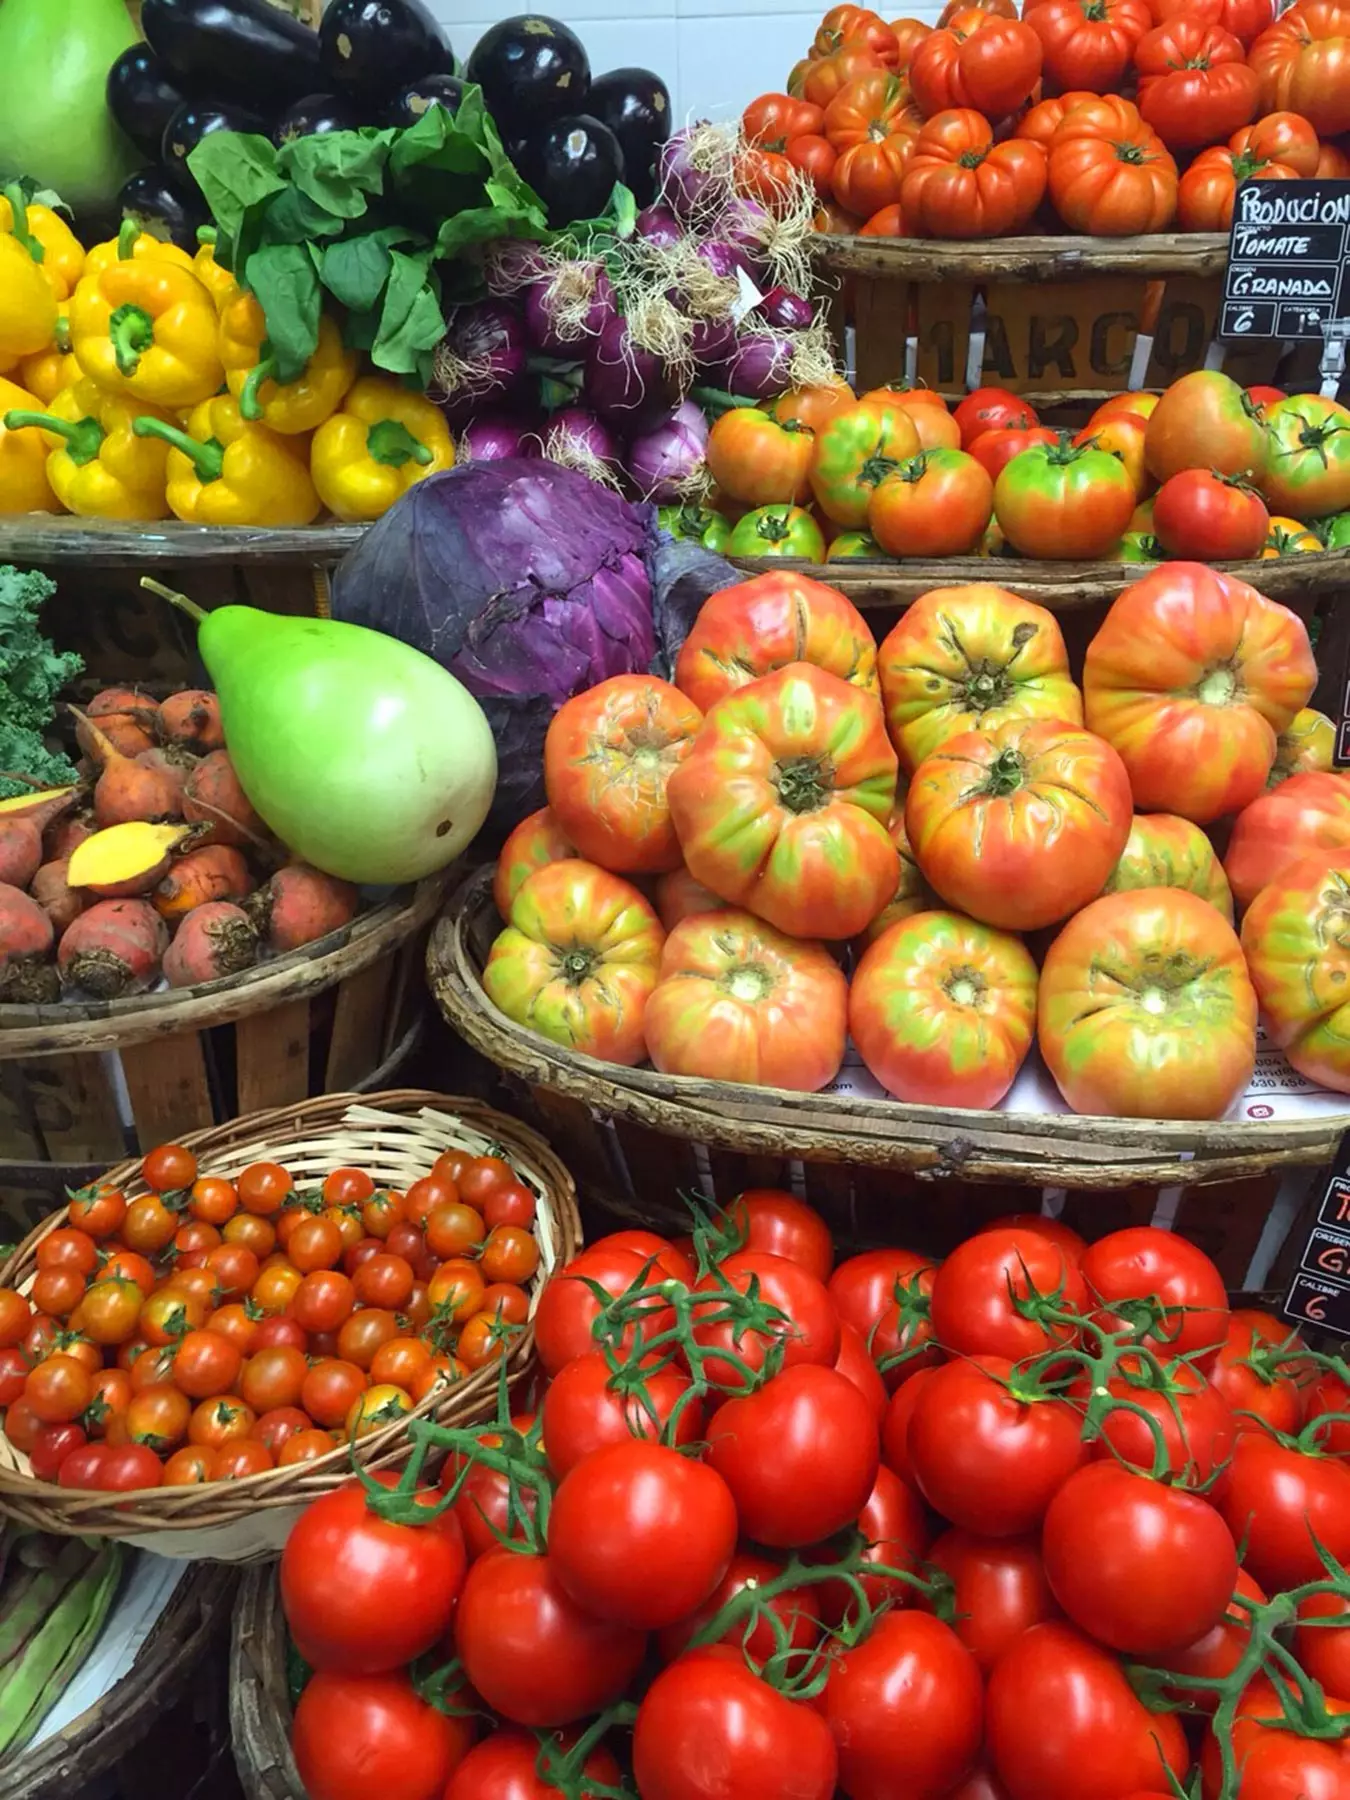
(785, 1530)
(209, 1329)
(947, 848)
(1208, 471)
(1155, 112)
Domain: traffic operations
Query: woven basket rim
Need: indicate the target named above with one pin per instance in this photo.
(442, 1120)
(975, 1145)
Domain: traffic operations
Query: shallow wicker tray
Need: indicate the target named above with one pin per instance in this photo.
(396, 1136)
(1049, 1149)
(67, 1765)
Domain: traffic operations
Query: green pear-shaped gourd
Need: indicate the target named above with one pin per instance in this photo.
(54, 120)
(365, 757)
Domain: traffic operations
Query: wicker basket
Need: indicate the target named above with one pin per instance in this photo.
(396, 1136)
(71, 1762)
(260, 1700)
(658, 1118)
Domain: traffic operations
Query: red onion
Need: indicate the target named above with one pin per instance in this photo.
(725, 259)
(626, 385)
(491, 437)
(661, 461)
(780, 307)
(682, 187)
(746, 224)
(578, 440)
(659, 226)
(712, 342)
(541, 304)
(483, 355)
(760, 367)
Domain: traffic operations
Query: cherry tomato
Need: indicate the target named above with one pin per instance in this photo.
(57, 1292)
(129, 1265)
(58, 1390)
(330, 1389)
(315, 1244)
(158, 1417)
(363, 1334)
(273, 1377)
(384, 1281)
(276, 1288)
(109, 1311)
(264, 1188)
(213, 1199)
(240, 1457)
(510, 1254)
(98, 1210)
(169, 1315)
(306, 1446)
(128, 1468)
(169, 1168)
(324, 1300)
(191, 1466)
(376, 1408)
(277, 1427)
(511, 1204)
(347, 1187)
(236, 1268)
(381, 1212)
(67, 1249)
(456, 1289)
(255, 1234)
(453, 1229)
(206, 1364)
(16, 1316)
(149, 1225)
(13, 1374)
(220, 1420)
(280, 1331)
(399, 1362)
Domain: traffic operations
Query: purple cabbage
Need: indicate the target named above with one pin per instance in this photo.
(492, 436)
(627, 386)
(541, 324)
(659, 226)
(661, 461)
(484, 352)
(760, 367)
(789, 311)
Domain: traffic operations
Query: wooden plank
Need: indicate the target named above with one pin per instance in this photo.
(1184, 328)
(272, 1057)
(20, 1140)
(51, 540)
(166, 1080)
(357, 1028)
(281, 588)
(881, 321)
(1023, 258)
(943, 330)
(76, 1109)
(1226, 1219)
(1047, 336)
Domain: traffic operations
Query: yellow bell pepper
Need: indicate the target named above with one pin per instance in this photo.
(24, 486)
(131, 245)
(292, 407)
(47, 238)
(50, 370)
(147, 328)
(224, 471)
(99, 467)
(383, 441)
(218, 282)
(27, 303)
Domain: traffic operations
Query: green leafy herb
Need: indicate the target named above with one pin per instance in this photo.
(412, 323)
(355, 270)
(31, 673)
(286, 282)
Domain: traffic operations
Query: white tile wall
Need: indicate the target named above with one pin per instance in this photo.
(714, 55)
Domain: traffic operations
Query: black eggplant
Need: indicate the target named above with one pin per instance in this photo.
(315, 114)
(248, 48)
(530, 69)
(411, 102)
(378, 46)
(163, 207)
(572, 165)
(191, 123)
(143, 96)
(635, 104)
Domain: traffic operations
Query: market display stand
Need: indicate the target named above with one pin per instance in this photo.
(260, 1701)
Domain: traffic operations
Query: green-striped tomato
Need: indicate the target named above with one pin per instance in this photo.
(1305, 745)
(855, 452)
(755, 627)
(778, 531)
(1146, 1010)
(1064, 501)
(943, 1010)
(912, 893)
(1308, 465)
(1306, 815)
(851, 545)
(969, 659)
(1163, 851)
(537, 841)
(1297, 943)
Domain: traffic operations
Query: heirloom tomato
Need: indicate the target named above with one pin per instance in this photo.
(1206, 421)
(1303, 65)
(980, 61)
(1144, 1567)
(1187, 1310)
(912, 893)
(816, 157)
(750, 630)
(1307, 472)
(1306, 745)
(359, 1734)
(994, 450)
(1139, 406)
(958, 183)
(778, 531)
(1246, 19)
(1194, 83)
(1020, 825)
(854, 25)
(608, 756)
(535, 842)
(679, 896)
(906, 1708)
(1063, 1722)
(759, 460)
(988, 1451)
(812, 407)
(739, 1001)
(1287, 537)
(1087, 44)
(1333, 163)
(992, 409)
(830, 75)
(1146, 1010)
(781, 805)
(856, 451)
(1064, 500)
(1109, 174)
(936, 427)
(1304, 816)
(1042, 121)
(1190, 678)
(909, 34)
(577, 961)
(709, 1724)
(936, 504)
(883, 1295)
(1208, 190)
(1283, 1503)
(981, 1290)
(1163, 851)
(1121, 436)
(996, 1588)
(943, 1010)
(1298, 948)
(1202, 516)
(851, 545)
(970, 659)
(773, 120)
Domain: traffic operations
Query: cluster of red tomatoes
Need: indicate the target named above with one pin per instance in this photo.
(912, 131)
(1001, 854)
(788, 1530)
(210, 1329)
(1208, 471)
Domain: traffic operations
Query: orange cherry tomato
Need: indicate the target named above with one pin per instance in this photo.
(347, 1187)
(59, 1389)
(399, 1362)
(98, 1210)
(324, 1300)
(306, 1446)
(206, 1364)
(504, 1300)
(456, 1289)
(191, 1466)
(383, 1210)
(276, 1287)
(443, 1372)
(235, 1267)
(153, 1367)
(255, 1234)
(241, 1457)
(510, 1254)
(364, 1333)
(109, 1310)
(273, 1378)
(453, 1228)
(236, 1323)
(213, 1199)
(158, 1417)
(376, 1408)
(314, 1244)
(330, 1390)
(483, 1340)
(264, 1188)
(149, 1225)
(169, 1168)
(57, 1292)
(384, 1281)
(220, 1420)
(169, 1315)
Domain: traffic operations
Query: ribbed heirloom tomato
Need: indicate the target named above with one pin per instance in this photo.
(1146, 1010)
(739, 1001)
(1206, 421)
(855, 452)
(1307, 471)
(943, 1010)
(1020, 825)
(1163, 851)
(577, 960)
(1303, 816)
(1208, 189)
(535, 842)
(1296, 936)
(1303, 62)
(936, 504)
(971, 658)
(980, 61)
(1109, 174)
(1087, 44)
(958, 183)
(1064, 500)
(781, 805)
(1194, 83)
(758, 460)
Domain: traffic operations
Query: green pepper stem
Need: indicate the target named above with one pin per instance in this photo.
(19, 222)
(132, 331)
(181, 601)
(391, 443)
(249, 404)
(206, 234)
(208, 459)
(84, 437)
(127, 239)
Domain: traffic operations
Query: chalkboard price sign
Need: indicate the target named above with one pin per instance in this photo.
(1319, 1293)
(1288, 269)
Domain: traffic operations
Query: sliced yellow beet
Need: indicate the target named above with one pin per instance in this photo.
(123, 853)
(22, 804)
